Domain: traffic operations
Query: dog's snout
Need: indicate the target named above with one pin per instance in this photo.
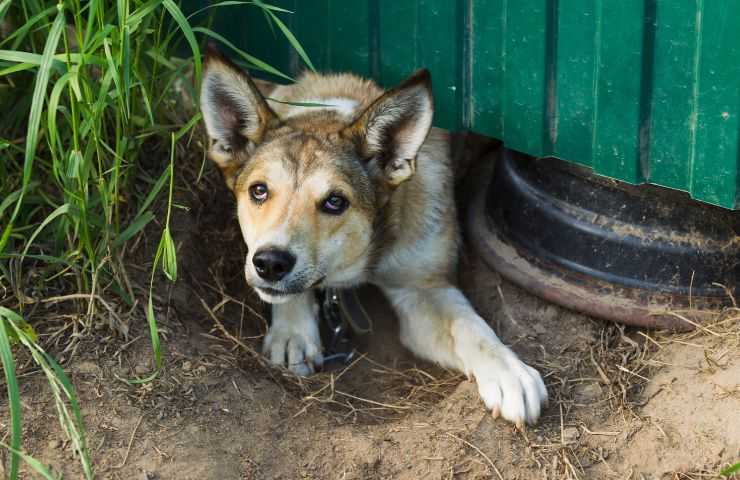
(273, 264)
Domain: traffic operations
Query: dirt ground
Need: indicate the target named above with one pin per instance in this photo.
(625, 403)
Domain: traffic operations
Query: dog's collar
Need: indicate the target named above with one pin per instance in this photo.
(343, 315)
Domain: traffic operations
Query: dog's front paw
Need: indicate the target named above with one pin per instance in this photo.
(508, 386)
(296, 346)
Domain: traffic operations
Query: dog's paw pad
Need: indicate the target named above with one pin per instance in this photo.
(299, 351)
(510, 388)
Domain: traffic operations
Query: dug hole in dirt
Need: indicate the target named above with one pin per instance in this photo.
(625, 403)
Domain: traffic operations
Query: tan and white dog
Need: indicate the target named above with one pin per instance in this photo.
(356, 190)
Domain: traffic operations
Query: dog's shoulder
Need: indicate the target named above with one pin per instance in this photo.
(419, 232)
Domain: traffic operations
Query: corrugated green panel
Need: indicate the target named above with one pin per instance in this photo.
(349, 33)
(398, 30)
(443, 22)
(619, 40)
(311, 27)
(717, 95)
(640, 90)
(574, 85)
(525, 89)
(260, 38)
(672, 102)
(487, 75)
(401, 27)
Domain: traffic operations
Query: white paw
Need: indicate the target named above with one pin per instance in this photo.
(296, 346)
(508, 386)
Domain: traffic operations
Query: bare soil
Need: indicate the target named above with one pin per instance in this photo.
(625, 403)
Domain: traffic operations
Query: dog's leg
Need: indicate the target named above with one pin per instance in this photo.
(440, 325)
(294, 335)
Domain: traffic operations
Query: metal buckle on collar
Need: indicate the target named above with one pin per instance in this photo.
(342, 316)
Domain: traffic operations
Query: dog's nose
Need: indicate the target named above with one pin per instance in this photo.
(273, 264)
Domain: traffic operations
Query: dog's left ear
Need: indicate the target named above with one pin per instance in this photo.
(392, 129)
(234, 111)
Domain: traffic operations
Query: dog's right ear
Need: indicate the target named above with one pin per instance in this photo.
(393, 128)
(234, 111)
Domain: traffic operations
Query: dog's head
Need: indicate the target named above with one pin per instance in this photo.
(309, 188)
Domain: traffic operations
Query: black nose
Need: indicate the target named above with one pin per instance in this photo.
(273, 264)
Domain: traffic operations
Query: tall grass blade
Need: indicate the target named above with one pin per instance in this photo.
(256, 62)
(62, 210)
(42, 78)
(154, 191)
(169, 255)
(57, 60)
(58, 381)
(230, 3)
(18, 67)
(731, 470)
(37, 466)
(120, 92)
(51, 114)
(14, 400)
(20, 32)
(134, 227)
(185, 129)
(154, 332)
(80, 426)
(8, 201)
(4, 5)
(142, 12)
(189, 36)
(288, 34)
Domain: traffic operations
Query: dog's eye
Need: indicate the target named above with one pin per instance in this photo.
(334, 204)
(258, 191)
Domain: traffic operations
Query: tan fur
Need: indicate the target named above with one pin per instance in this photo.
(313, 85)
(399, 232)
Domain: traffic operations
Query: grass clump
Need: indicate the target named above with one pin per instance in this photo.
(88, 90)
(84, 88)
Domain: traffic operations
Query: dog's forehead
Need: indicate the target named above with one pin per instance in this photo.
(302, 155)
(316, 164)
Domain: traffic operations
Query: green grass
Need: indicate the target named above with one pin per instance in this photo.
(87, 89)
(731, 470)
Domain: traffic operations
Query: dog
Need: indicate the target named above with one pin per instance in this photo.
(340, 183)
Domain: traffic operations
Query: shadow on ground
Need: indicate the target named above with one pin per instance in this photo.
(625, 403)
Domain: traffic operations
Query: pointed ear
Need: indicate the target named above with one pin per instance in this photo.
(234, 111)
(392, 130)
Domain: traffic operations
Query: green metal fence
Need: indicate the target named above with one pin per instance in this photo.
(638, 90)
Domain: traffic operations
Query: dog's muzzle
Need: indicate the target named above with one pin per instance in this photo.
(273, 264)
